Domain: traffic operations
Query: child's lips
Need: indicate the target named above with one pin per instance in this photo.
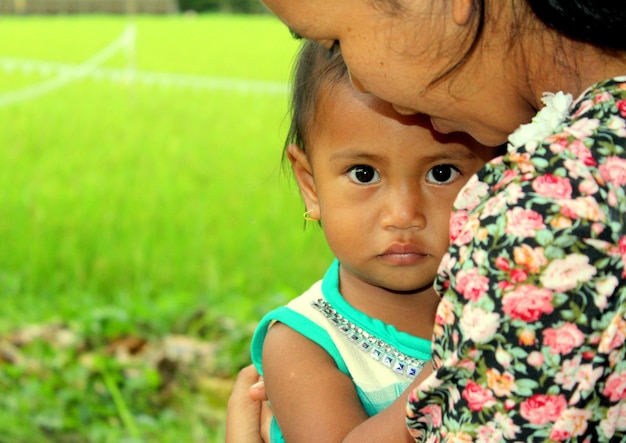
(403, 254)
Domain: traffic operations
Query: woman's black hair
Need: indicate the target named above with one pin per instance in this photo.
(315, 67)
(599, 22)
(479, 7)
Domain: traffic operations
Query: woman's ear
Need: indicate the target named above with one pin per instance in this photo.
(303, 172)
(462, 11)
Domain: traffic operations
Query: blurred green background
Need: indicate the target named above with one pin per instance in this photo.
(146, 223)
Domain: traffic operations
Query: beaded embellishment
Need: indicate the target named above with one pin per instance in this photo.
(378, 349)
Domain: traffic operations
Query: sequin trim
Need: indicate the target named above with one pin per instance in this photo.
(378, 349)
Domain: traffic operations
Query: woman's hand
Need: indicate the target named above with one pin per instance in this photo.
(248, 415)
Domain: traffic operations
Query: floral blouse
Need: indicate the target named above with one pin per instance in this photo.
(529, 339)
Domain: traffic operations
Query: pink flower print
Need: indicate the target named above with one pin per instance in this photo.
(467, 364)
(613, 170)
(479, 325)
(588, 187)
(458, 437)
(582, 152)
(535, 359)
(583, 107)
(621, 106)
(489, 433)
(509, 404)
(567, 273)
(447, 263)
(583, 128)
(541, 409)
(558, 143)
(552, 186)
(503, 263)
(503, 357)
(514, 193)
(597, 228)
(531, 258)
(618, 125)
(457, 221)
(612, 198)
(503, 385)
(585, 208)
(566, 377)
(603, 97)
(509, 176)
(563, 339)
(586, 379)
(622, 250)
(518, 275)
(560, 222)
(478, 255)
(494, 206)
(445, 313)
(471, 284)
(527, 303)
(605, 289)
(432, 382)
(523, 223)
(615, 387)
(527, 337)
(576, 169)
(471, 194)
(614, 336)
(572, 423)
(615, 419)
(522, 161)
(504, 285)
(432, 415)
(507, 425)
(477, 397)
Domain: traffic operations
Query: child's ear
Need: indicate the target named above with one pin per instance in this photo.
(303, 172)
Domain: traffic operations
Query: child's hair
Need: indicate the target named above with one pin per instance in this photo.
(315, 67)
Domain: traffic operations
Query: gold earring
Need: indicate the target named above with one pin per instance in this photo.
(307, 218)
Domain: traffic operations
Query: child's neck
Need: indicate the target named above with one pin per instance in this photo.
(410, 312)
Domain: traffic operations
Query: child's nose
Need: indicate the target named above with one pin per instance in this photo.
(404, 209)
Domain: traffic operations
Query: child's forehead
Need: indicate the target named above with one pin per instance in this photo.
(348, 118)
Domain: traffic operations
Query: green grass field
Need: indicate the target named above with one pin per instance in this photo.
(136, 211)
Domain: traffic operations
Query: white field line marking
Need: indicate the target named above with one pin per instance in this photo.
(65, 77)
(148, 78)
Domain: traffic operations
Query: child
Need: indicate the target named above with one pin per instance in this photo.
(382, 187)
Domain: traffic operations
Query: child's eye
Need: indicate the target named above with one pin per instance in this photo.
(442, 174)
(363, 174)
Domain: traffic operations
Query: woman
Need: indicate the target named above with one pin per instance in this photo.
(530, 334)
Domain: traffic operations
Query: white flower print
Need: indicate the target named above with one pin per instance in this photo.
(546, 120)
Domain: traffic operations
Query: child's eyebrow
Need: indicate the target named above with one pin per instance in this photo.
(442, 157)
(451, 156)
(354, 156)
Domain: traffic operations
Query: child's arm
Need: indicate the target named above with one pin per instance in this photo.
(313, 401)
